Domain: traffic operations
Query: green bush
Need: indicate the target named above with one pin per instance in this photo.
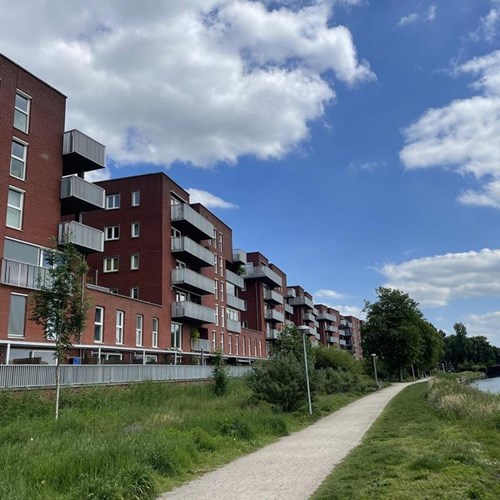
(331, 381)
(336, 359)
(219, 375)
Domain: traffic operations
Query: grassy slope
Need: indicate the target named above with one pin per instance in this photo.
(132, 442)
(415, 452)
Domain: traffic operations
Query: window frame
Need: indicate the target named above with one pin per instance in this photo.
(134, 225)
(134, 292)
(99, 325)
(26, 113)
(136, 198)
(9, 334)
(23, 160)
(139, 330)
(12, 207)
(114, 197)
(119, 327)
(155, 327)
(114, 229)
(112, 269)
(134, 261)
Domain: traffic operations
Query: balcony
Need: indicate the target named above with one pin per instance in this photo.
(81, 153)
(332, 329)
(87, 239)
(274, 316)
(235, 279)
(301, 301)
(289, 323)
(192, 313)
(233, 326)
(290, 292)
(288, 308)
(273, 297)
(263, 273)
(324, 316)
(190, 251)
(342, 342)
(272, 334)
(79, 195)
(189, 220)
(236, 302)
(201, 345)
(192, 281)
(23, 275)
(308, 330)
(330, 339)
(239, 256)
(309, 316)
(347, 332)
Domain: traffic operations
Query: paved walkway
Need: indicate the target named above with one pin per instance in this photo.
(293, 467)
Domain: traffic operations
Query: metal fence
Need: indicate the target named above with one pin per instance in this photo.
(30, 376)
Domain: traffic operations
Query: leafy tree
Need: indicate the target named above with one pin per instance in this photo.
(432, 347)
(392, 329)
(336, 359)
(60, 306)
(219, 374)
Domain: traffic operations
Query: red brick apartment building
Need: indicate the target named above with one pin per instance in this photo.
(165, 283)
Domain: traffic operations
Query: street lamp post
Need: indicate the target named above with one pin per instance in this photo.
(303, 330)
(374, 357)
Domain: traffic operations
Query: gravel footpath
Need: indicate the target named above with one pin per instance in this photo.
(294, 466)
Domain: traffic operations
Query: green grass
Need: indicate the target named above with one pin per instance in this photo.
(422, 448)
(132, 442)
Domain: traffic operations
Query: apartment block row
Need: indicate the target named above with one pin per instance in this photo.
(165, 283)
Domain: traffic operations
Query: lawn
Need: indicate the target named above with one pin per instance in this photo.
(433, 441)
(135, 441)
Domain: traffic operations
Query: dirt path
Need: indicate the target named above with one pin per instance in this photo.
(294, 466)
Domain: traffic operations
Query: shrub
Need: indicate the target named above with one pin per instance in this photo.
(331, 381)
(219, 375)
(336, 359)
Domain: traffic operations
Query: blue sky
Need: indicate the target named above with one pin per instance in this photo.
(355, 143)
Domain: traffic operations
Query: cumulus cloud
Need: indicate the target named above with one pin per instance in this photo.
(197, 81)
(487, 325)
(209, 200)
(429, 15)
(349, 310)
(463, 136)
(329, 294)
(437, 280)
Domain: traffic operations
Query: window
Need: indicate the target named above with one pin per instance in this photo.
(222, 342)
(237, 345)
(17, 315)
(111, 264)
(214, 346)
(215, 263)
(215, 239)
(111, 233)
(139, 321)
(154, 333)
(15, 208)
(220, 241)
(18, 159)
(243, 345)
(135, 230)
(216, 314)
(134, 261)
(134, 292)
(22, 112)
(260, 348)
(244, 324)
(120, 315)
(230, 343)
(98, 324)
(222, 290)
(136, 198)
(216, 288)
(112, 201)
(176, 335)
(222, 317)
(255, 347)
(221, 266)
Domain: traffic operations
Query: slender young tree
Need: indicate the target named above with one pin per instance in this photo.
(60, 306)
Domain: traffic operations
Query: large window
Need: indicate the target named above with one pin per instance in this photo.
(15, 208)
(18, 159)
(111, 264)
(176, 336)
(154, 333)
(22, 111)
(98, 324)
(112, 233)
(112, 201)
(120, 316)
(17, 315)
(139, 323)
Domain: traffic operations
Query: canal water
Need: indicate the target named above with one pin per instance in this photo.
(488, 384)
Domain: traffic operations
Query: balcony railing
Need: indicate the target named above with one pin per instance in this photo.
(87, 239)
(235, 279)
(239, 256)
(81, 153)
(201, 345)
(331, 339)
(288, 308)
(301, 301)
(23, 275)
(333, 329)
(309, 316)
(290, 292)
(324, 316)
(192, 251)
(267, 275)
(236, 302)
(192, 281)
(289, 323)
(79, 195)
(272, 334)
(273, 315)
(342, 342)
(273, 296)
(233, 326)
(187, 218)
(192, 312)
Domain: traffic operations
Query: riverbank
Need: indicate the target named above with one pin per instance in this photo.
(437, 440)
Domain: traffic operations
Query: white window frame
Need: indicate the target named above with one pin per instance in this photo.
(23, 95)
(111, 233)
(22, 160)
(237, 345)
(221, 266)
(230, 343)
(222, 317)
(176, 335)
(214, 340)
(215, 263)
(154, 332)
(221, 341)
(99, 325)
(10, 335)
(120, 321)
(134, 292)
(216, 315)
(112, 268)
(136, 198)
(113, 201)
(13, 207)
(216, 287)
(221, 290)
(135, 229)
(139, 329)
(134, 261)
(243, 345)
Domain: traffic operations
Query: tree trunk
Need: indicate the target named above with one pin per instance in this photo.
(400, 374)
(58, 387)
(413, 371)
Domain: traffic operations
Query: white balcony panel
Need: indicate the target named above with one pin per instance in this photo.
(239, 256)
(273, 296)
(191, 249)
(273, 315)
(324, 316)
(23, 275)
(86, 238)
(288, 308)
(192, 312)
(79, 195)
(301, 301)
(193, 281)
(233, 326)
(290, 292)
(187, 217)
(235, 279)
(264, 273)
(236, 302)
(201, 345)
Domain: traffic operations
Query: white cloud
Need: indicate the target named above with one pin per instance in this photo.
(488, 24)
(409, 19)
(437, 280)
(487, 325)
(347, 310)
(208, 200)
(429, 15)
(368, 166)
(197, 81)
(102, 174)
(329, 294)
(463, 136)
